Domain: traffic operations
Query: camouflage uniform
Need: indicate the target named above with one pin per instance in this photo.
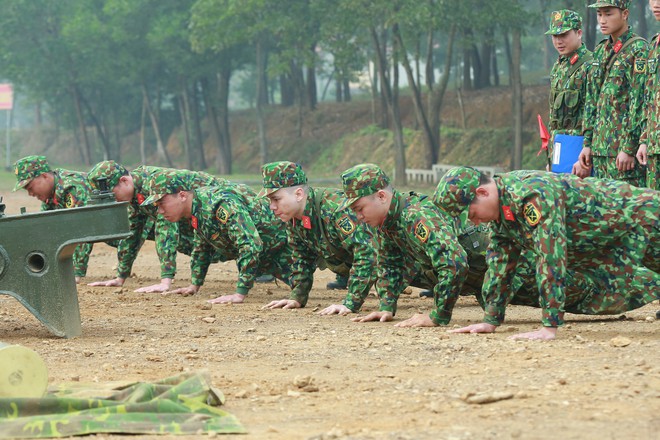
(230, 224)
(590, 237)
(326, 236)
(71, 190)
(615, 101)
(144, 221)
(651, 136)
(418, 245)
(568, 81)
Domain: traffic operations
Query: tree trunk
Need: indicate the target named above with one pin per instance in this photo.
(312, 95)
(224, 75)
(643, 28)
(347, 90)
(143, 118)
(184, 114)
(86, 150)
(160, 149)
(420, 113)
(286, 90)
(467, 69)
(261, 93)
(589, 26)
(338, 92)
(100, 131)
(517, 104)
(197, 125)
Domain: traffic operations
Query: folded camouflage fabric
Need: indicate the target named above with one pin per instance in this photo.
(183, 404)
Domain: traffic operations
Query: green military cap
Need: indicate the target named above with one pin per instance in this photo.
(109, 170)
(278, 175)
(360, 181)
(564, 21)
(28, 168)
(621, 4)
(456, 190)
(163, 183)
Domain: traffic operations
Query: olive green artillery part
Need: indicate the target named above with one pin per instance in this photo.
(36, 252)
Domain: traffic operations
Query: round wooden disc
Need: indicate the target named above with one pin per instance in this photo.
(22, 372)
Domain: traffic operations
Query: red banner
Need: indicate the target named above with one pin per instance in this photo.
(6, 97)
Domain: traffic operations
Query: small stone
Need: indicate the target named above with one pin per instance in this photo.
(205, 306)
(261, 338)
(88, 353)
(620, 341)
(209, 319)
(483, 398)
(562, 381)
(302, 381)
(408, 291)
(292, 393)
(650, 319)
(242, 394)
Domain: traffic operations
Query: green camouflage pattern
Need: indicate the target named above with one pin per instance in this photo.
(592, 240)
(621, 4)
(146, 224)
(180, 405)
(277, 175)
(563, 21)
(360, 181)
(568, 94)
(28, 168)
(334, 239)
(109, 170)
(71, 191)
(651, 135)
(456, 190)
(613, 120)
(418, 246)
(242, 228)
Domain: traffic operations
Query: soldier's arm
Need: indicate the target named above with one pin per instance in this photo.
(200, 260)
(362, 244)
(303, 266)
(502, 259)
(128, 248)
(81, 259)
(389, 283)
(166, 235)
(244, 235)
(638, 96)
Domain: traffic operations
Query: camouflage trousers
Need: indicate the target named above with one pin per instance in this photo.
(653, 172)
(605, 168)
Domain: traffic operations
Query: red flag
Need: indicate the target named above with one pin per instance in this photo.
(545, 136)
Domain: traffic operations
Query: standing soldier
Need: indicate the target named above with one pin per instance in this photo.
(615, 97)
(568, 81)
(321, 234)
(229, 223)
(649, 150)
(591, 239)
(145, 223)
(418, 246)
(56, 189)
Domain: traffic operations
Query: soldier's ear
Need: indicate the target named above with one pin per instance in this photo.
(482, 192)
(299, 193)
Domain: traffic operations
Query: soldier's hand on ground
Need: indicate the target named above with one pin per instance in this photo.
(116, 282)
(585, 157)
(375, 316)
(642, 156)
(336, 309)
(543, 334)
(482, 327)
(184, 291)
(234, 298)
(417, 320)
(78, 279)
(581, 171)
(624, 161)
(163, 286)
(282, 304)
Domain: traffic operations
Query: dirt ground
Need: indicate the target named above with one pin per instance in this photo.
(296, 375)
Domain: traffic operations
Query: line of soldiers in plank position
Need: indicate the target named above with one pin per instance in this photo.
(554, 241)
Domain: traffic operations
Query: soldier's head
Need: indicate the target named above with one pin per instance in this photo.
(368, 193)
(655, 8)
(285, 185)
(466, 188)
(171, 193)
(566, 31)
(35, 175)
(117, 178)
(612, 16)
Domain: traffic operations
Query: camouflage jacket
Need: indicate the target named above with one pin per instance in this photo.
(416, 229)
(568, 82)
(169, 237)
(565, 221)
(651, 135)
(346, 246)
(238, 227)
(72, 190)
(615, 96)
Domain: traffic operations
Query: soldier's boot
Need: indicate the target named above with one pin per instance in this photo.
(657, 314)
(426, 294)
(265, 278)
(340, 283)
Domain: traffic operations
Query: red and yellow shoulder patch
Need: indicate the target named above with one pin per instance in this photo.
(532, 214)
(422, 231)
(221, 214)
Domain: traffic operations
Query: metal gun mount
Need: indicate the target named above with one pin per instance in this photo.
(36, 252)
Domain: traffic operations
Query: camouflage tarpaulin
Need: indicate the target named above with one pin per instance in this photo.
(183, 404)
